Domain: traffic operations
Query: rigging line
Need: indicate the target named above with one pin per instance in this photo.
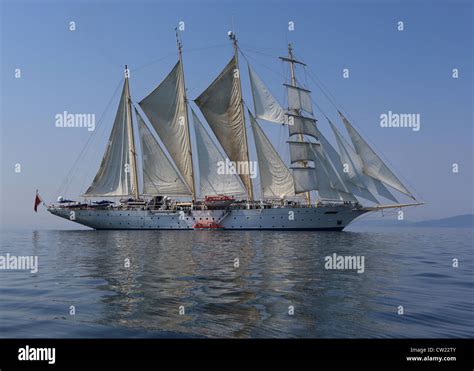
(322, 87)
(319, 108)
(192, 50)
(98, 133)
(89, 157)
(258, 47)
(65, 181)
(371, 215)
(151, 180)
(154, 61)
(170, 54)
(261, 64)
(260, 53)
(281, 75)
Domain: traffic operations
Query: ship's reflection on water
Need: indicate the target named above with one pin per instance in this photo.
(224, 283)
(187, 284)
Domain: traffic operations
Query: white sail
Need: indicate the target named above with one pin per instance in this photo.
(319, 177)
(305, 179)
(302, 151)
(275, 178)
(329, 194)
(324, 187)
(335, 179)
(213, 181)
(266, 106)
(301, 125)
(336, 164)
(299, 99)
(221, 105)
(166, 109)
(372, 163)
(159, 175)
(330, 186)
(354, 168)
(114, 175)
(344, 196)
(382, 190)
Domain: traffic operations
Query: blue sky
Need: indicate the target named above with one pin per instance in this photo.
(405, 72)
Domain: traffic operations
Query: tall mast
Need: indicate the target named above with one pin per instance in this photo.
(186, 116)
(131, 139)
(292, 62)
(249, 186)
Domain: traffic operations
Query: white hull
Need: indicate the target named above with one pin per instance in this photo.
(280, 218)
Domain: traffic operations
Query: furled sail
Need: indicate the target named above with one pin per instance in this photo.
(299, 99)
(114, 175)
(275, 178)
(159, 175)
(213, 180)
(166, 109)
(355, 170)
(339, 176)
(266, 106)
(301, 125)
(371, 162)
(221, 105)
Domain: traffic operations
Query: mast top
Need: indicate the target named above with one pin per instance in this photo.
(232, 37)
(178, 41)
(126, 72)
(290, 57)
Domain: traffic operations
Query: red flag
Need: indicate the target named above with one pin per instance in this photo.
(38, 200)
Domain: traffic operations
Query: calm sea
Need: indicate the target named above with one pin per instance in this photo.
(194, 272)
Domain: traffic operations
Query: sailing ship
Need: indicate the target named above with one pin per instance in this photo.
(175, 196)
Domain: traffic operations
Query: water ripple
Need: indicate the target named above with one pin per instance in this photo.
(171, 272)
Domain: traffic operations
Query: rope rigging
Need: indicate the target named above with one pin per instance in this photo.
(64, 186)
(308, 74)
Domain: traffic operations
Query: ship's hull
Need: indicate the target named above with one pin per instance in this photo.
(283, 218)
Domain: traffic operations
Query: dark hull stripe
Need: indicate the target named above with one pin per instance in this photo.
(336, 229)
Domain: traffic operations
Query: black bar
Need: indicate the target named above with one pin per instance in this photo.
(120, 351)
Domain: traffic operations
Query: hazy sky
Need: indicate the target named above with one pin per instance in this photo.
(78, 71)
